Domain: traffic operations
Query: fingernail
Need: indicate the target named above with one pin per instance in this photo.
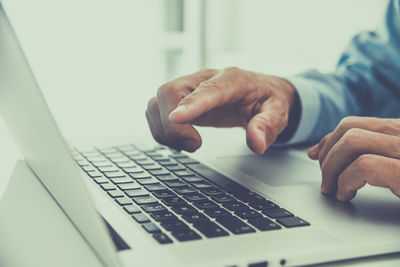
(261, 134)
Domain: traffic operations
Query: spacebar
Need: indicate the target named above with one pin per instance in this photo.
(229, 185)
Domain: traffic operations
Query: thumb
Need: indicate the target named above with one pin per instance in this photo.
(263, 128)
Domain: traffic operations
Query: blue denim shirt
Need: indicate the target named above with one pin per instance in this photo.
(366, 82)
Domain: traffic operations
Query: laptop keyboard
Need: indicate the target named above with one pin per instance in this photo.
(176, 198)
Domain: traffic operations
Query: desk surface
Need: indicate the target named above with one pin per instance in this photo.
(38, 252)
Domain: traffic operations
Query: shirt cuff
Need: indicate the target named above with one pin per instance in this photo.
(310, 107)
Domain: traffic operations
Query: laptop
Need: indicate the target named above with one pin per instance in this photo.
(133, 199)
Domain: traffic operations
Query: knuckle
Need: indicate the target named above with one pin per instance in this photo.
(365, 163)
(165, 89)
(232, 70)
(351, 136)
(345, 124)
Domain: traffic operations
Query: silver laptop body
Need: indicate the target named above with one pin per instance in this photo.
(369, 225)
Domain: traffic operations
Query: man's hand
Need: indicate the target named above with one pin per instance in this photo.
(220, 98)
(359, 151)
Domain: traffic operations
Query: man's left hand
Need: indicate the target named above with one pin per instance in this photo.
(360, 150)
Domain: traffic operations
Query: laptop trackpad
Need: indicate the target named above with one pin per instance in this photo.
(276, 168)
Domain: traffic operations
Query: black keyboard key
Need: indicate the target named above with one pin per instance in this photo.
(249, 196)
(186, 236)
(216, 212)
(162, 238)
(194, 197)
(193, 179)
(176, 167)
(153, 207)
(292, 222)
(115, 174)
(185, 190)
(212, 191)
(202, 185)
(186, 160)
(164, 193)
(123, 201)
(136, 193)
(151, 227)
(193, 217)
(144, 200)
(174, 184)
(164, 215)
(119, 180)
(129, 186)
(277, 213)
(264, 224)
(131, 209)
(175, 225)
(140, 175)
(159, 172)
(184, 173)
(172, 201)
(115, 193)
(247, 214)
(229, 185)
(140, 218)
(235, 225)
(223, 198)
(168, 162)
(108, 187)
(205, 204)
(169, 177)
(263, 205)
(234, 205)
(210, 229)
(100, 180)
(147, 181)
(155, 187)
(183, 208)
(177, 155)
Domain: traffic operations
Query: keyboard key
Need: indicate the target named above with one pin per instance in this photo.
(131, 170)
(263, 205)
(129, 164)
(210, 229)
(140, 218)
(159, 172)
(162, 238)
(183, 208)
(277, 213)
(168, 162)
(184, 173)
(151, 228)
(164, 193)
(247, 214)
(292, 222)
(234, 225)
(136, 193)
(144, 162)
(164, 215)
(128, 186)
(202, 185)
(212, 191)
(186, 160)
(227, 184)
(194, 197)
(115, 193)
(234, 205)
(101, 163)
(193, 217)
(174, 184)
(155, 187)
(108, 169)
(186, 236)
(152, 167)
(147, 181)
(115, 174)
(141, 175)
(264, 224)
(185, 190)
(88, 168)
(177, 167)
(94, 174)
(177, 155)
(100, 180)
(121, 180)
(144, 200)
(175, 225)
(131, 209)
(216, 212)
(169, 177)
(193, 179)
(153, 207)
(108, 187)
(172, 201)
(249, 196)
(122, 201)
(205, 204)
(223, 198)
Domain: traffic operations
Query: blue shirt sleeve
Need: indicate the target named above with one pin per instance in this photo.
(366, 82)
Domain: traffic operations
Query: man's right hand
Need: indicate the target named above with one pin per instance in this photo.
(220, 98)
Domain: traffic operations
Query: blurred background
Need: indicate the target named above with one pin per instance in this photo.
(98, 62)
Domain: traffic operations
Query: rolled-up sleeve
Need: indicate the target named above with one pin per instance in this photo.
(366, 82)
